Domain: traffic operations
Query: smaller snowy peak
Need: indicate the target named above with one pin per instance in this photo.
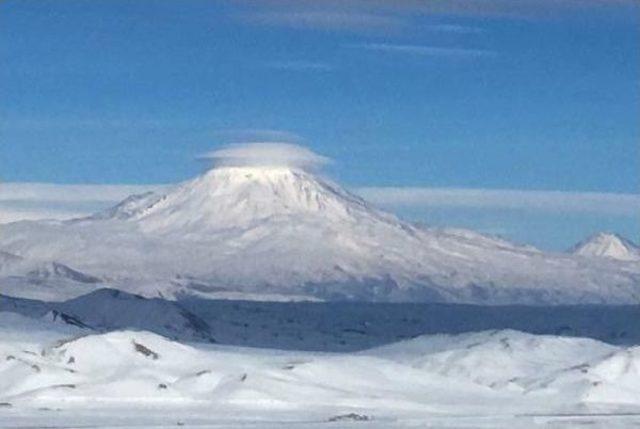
(52, 270)
(39, 270)
(608, 245)
(130, 207)
(7, 258)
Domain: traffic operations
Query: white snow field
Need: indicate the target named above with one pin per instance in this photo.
(56, 375)
(281, 233)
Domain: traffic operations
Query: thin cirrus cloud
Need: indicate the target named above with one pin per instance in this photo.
(328, 20)
(354, 20)
(455, 29)
(301, 66)
(372, 14)
(34, 201)
(409, 16)
(540, 201)
(423, 50)
(244, 135)
(518, 9)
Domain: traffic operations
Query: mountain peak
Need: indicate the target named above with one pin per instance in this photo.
(248, 183)
(227, 197)
(608, 245)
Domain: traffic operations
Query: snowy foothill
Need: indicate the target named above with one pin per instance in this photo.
(56, 372)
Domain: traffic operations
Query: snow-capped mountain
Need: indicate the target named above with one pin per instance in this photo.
(274, 231)
(607, 245)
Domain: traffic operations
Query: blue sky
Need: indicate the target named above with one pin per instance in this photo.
(498, 94)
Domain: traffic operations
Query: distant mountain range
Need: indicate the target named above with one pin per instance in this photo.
(283, 233)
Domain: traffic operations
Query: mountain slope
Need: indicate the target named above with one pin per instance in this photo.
(107, 310)
(269, 232)
(42, 279)
(606, 245)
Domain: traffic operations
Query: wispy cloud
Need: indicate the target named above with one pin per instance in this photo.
(528, 9)
(326, 19)
(455, 29)
(422, 50)
(10, 214)
(376, 15)
(31, 201)
(545, 201)
(400, 8)
(354, 20)
(244, 135)
(301, 66)
(266, 154)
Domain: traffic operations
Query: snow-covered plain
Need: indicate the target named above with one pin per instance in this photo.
(64, 376)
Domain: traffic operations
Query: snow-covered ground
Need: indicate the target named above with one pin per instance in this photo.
(59, 375)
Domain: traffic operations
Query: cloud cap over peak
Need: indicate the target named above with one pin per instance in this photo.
(266, 154)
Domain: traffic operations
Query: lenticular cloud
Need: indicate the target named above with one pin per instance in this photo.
(267, 154)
